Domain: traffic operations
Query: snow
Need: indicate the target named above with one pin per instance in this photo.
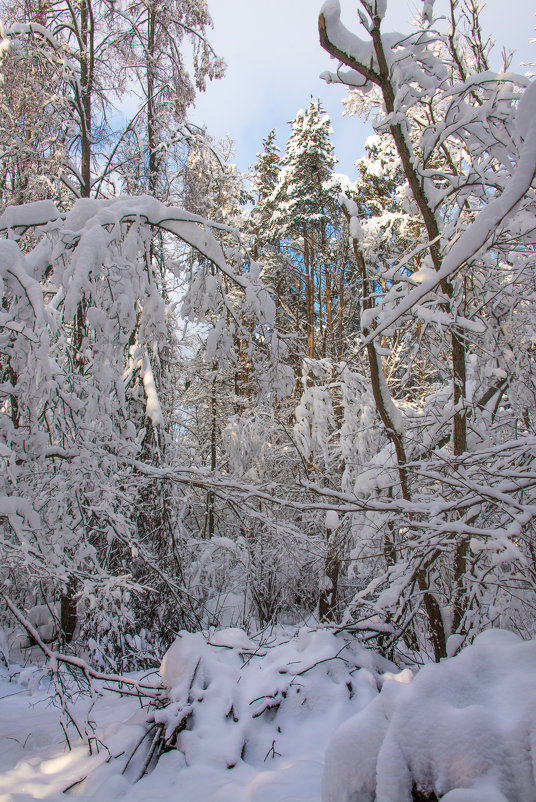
(261, 711)
(152, 402)
(179, 663)
(463, 728)
(332, 520)
(423, 274)
(248, 716)
(489, 218)
(440, 318)
(265, 705)
(428, 10)
(233, 638)
(526, 111)
(30, 214)
(395, 415)
(356, 231)
(381, 8)
(341, 37)
(478, 233)
(44, 619)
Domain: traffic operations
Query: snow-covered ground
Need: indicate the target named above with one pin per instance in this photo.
(250, 721)
(260, 711)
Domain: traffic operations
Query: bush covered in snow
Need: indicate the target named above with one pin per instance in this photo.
(464, 728)
(236, 698)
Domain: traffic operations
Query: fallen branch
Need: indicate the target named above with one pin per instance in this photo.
(57, 658)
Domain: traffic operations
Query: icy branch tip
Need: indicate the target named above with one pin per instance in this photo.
(329, 77)
(428, 10)
(381, 8)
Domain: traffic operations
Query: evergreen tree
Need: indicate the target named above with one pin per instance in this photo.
(303, 202)
(264, 178)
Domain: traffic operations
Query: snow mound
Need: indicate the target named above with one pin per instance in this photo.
(464, 729)
(236, 699)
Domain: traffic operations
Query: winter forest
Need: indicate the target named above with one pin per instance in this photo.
(267, 441)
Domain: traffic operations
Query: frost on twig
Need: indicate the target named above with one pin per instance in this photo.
(71, 675)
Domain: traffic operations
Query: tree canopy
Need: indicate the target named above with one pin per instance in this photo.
(307, 399)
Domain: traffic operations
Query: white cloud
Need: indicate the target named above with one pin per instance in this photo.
(274, 59)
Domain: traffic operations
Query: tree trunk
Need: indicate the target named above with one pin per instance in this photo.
(68, 615)
(308, 258)
(86, 90)
(327, 605)
(433, 612)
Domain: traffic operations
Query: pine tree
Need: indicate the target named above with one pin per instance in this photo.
(303, 201)
(264, 178)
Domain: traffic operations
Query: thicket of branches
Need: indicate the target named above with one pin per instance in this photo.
(329, 416)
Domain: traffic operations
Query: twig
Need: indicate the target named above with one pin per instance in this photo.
(76, 662)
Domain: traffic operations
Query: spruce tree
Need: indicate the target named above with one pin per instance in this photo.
(303, 203)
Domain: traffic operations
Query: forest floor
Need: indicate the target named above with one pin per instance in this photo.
(37, 763)
(273, 718)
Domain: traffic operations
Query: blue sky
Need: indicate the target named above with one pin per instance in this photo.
(274, 60)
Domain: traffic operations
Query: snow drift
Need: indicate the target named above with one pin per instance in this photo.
(248, 719)
(464, 729)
